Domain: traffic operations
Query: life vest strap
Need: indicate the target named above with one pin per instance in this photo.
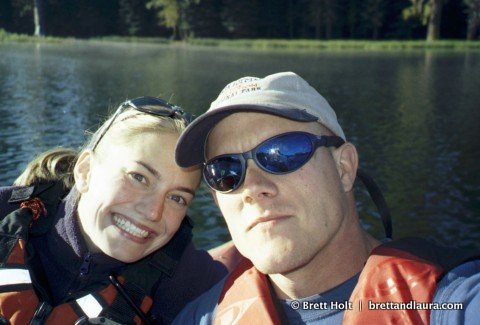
(89, 305)
(14, 276)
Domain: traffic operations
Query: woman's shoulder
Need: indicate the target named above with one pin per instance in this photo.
(5, 195)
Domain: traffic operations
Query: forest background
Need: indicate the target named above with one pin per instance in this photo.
(236, 19)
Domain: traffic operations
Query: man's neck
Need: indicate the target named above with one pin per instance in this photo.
(342, 258)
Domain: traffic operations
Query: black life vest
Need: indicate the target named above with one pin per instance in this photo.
(124, 298)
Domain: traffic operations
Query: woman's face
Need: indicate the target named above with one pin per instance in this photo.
(133, 195)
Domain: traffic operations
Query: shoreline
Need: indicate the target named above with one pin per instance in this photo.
(262, 44)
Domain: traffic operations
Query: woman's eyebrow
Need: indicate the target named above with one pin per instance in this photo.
(186, 189)
(149, 168)
(157, 175)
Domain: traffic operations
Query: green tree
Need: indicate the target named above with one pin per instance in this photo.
(22, 15)
(173, 15)
(129, 17)
(434, 19)
(373, 14)
(38, 18)
(322, 16)
(240, 18)
(204, 19)
(429, 12)
(316, 17)
(473, 20)
(352, 17)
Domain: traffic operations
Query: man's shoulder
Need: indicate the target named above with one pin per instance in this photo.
(458, 295)
(202, 309)
(446, 257)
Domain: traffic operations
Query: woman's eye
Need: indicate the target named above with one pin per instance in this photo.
(178, 199)
(138, 177)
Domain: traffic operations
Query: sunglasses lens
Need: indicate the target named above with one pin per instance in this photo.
(223, 174)
(285, 153)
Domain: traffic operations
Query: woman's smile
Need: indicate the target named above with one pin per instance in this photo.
(132, 228)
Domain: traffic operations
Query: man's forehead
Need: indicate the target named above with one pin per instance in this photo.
(244, 130)
(248, 124)
(240, 123)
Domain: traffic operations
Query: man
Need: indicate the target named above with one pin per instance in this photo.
(282, 175)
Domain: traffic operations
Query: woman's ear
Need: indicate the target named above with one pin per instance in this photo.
(81, 171)
(346, 158)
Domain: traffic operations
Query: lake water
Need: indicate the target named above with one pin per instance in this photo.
(413, 116)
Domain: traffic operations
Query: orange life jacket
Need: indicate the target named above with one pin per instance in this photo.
(393, 273)
(21, 292)
(20, 304)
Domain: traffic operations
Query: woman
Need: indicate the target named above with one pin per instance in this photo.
(101, 253)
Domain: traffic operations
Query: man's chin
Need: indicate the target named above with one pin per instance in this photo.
(270, 263)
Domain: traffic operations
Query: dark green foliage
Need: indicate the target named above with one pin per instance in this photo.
(264, 19)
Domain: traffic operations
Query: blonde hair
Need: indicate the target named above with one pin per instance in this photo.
(52, 165)
(57, 164)
(132, 123)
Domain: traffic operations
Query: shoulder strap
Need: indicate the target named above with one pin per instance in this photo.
(50, 195)
(16, 225)
(165, 260)
(142, 277)
(377, 197)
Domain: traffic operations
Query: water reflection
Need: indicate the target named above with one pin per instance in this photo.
(412, 115)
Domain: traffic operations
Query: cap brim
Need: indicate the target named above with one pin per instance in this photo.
(191, 144)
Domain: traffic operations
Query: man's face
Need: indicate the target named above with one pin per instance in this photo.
(280, 222)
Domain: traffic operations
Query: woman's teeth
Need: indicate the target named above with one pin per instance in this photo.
(129, 227)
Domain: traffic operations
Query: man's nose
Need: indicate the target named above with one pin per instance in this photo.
(258, 184)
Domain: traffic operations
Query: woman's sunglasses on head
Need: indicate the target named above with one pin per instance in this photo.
(149, 105)
(281, 154)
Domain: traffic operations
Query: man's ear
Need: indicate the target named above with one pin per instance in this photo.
(81, 171)
(346, 158)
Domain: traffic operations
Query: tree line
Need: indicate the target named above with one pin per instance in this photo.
(285, 19)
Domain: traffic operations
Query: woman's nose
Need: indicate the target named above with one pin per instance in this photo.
(151, 207)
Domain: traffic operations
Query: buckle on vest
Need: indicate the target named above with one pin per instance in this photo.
(41, 313)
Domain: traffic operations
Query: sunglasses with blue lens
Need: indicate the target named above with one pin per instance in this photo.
(281, 154)
(148, 105)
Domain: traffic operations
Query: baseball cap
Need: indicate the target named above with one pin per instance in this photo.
(283, 94)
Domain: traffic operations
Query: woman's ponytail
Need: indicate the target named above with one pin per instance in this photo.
(52, 165)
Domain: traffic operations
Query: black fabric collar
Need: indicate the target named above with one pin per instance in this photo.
(63, 251)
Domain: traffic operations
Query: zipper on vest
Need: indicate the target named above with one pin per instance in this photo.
(83, 274)
(85, 267)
